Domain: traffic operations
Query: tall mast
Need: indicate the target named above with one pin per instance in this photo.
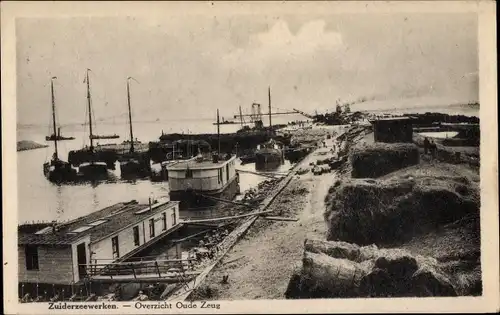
(90, 113)
(270, 122)
(54, 115)
(218, 132)
(241, 118)
(130, 117)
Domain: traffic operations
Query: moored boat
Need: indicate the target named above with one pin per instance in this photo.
(57, 170)
(268, 154)
(200, 182)
(133, 163)
(92, 168)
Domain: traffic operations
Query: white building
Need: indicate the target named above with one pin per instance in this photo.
(62, 253)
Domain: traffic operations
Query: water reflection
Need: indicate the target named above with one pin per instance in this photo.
(41, 200)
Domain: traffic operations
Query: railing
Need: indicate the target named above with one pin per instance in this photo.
(160, 268)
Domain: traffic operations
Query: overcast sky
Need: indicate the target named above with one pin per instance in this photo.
(190, 66)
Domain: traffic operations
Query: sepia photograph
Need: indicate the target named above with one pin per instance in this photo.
(219, 152)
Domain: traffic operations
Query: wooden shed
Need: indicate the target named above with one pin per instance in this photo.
(394, 129)
(62, 253)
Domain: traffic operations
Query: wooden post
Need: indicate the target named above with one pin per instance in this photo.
(178, 252)
(133, 270)
(158, 269)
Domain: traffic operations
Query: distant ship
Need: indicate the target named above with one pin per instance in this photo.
(225, 122)
(57, 170)
(53, 136)
(97, 137)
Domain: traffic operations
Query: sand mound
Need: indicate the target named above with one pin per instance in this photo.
(339, 269)
(376, 159)
(392, 210)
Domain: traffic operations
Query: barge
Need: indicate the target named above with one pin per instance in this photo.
(199, 182)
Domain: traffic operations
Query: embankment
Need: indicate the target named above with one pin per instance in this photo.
(25, 145)
(410, 230)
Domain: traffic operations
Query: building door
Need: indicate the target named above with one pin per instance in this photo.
(81, 257)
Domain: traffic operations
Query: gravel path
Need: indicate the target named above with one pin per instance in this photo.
(260, 265)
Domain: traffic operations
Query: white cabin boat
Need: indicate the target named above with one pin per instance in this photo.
(194, 182)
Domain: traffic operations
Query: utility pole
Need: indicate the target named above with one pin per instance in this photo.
(241, 118)
(269, 95)
(218, 133)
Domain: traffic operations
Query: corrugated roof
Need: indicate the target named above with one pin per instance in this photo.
(117, 217)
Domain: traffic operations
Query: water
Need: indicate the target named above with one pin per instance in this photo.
(40, 200)
(439, 134)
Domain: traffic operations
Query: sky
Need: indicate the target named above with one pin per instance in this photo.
(190, 66)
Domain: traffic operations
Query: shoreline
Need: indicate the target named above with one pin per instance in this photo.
(263, 264)
(26, 145)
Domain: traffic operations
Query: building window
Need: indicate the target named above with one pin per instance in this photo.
(114, 245)
(164, 220)
(152, 228)
(189, 173)
(31, 257)
(136, 236)
(174, 219)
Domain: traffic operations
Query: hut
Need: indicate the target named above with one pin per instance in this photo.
(61, 254)
(393, 129)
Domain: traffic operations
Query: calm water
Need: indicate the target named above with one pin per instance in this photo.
(40, 200)
(439, 134)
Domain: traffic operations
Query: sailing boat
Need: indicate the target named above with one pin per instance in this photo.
(57, 170)
(269, 154)
(133, 163)
(91, 168)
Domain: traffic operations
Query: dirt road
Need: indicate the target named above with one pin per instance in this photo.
(260, 265)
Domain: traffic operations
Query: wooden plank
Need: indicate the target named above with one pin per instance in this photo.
(227, 218)
(192, 235)
(280, 219)
(227, 201)
(271, 174)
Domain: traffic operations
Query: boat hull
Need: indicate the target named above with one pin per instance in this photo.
(59, 172)
(265, 159)
(93, 170)
(193, 200)
(134, 167)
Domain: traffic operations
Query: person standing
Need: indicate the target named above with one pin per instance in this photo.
(426, 145)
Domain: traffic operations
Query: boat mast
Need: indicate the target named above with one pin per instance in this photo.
(54, 115)
(270, 122)
(130, 117)
(218, 133)
(241, 118)
(90, 112)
